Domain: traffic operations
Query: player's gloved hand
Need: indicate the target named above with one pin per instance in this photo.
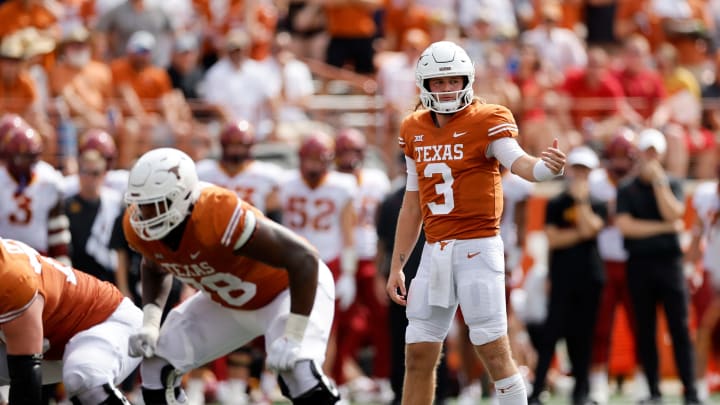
(345, 290)
(284, 352)
(144, 342)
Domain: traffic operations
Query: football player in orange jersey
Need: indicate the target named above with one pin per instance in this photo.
(254, 277)
(453, 149)
(60, 324)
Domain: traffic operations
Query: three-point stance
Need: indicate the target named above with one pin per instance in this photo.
(253, 276)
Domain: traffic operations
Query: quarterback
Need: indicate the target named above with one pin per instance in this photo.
(453, 149)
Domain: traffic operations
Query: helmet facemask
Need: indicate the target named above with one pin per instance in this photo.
(162, 187)
(445, 59)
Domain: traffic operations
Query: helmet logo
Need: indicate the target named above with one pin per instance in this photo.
(175, 170)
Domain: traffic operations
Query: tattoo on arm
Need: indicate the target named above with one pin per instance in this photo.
(402, 258)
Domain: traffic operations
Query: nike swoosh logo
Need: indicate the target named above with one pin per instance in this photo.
(471, 255)
(194, 255)
(458, 134)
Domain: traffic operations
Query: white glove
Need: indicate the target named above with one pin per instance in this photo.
(283, 354)
(285, 351)
(345, 290)
(144, 342)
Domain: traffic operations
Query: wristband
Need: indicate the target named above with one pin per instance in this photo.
(295, 326)
(348, 261)
(543, 173)
(152, 314)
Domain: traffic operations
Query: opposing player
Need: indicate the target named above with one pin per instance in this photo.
(372, 187)
(8, 121)
(101, 141)
(253, 276)
(254, 181)
(318, 204)
(31, 197)
(453, 150)
(60, 324)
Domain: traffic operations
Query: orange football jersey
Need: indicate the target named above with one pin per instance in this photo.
(460, 187)
(205, 258)
(74, 301)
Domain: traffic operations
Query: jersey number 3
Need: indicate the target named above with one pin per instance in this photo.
(444, 189)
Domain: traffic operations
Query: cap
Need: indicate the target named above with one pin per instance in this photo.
(583, 156)
(76, 33)
(12, 47)
(236, 39)
(140, 41)
(36, 43)
(652, 138)
(185, 42)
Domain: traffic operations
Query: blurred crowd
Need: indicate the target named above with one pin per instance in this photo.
(88, 86)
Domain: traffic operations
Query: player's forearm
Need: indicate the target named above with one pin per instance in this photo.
(303, 280)
(156, 286)
(408, 230)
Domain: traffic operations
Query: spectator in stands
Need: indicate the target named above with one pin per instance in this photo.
(397, 86)
(695, 152)
(118, 25)
(498, 14)
(352, 29)
(185, 71)
(296, 81)
(642, 84)
(85, 85)
(305, 22)
(239, 88)
(155, 114)
(20, 14)
(650, 207)
(572, 223)
(594, 98)
(559, 47)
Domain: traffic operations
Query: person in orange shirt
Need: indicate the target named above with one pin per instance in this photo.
(85, 85)
(60, 324)
(453, 149)
(352, 30)
(254, 278)
(148, 101)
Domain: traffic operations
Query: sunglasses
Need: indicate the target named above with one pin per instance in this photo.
(92, 173)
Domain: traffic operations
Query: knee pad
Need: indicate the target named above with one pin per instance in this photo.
(323, 392)
(107, 394)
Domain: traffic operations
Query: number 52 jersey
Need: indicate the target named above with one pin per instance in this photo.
(460, 187)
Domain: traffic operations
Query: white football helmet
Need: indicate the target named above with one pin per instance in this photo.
(443, 59)
(167, 179)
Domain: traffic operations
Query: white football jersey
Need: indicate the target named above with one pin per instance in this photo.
(114, 179)
(253, 184)
(373, 186)
(24, 214)
(610, 240)
(315, 213)
(706, 202)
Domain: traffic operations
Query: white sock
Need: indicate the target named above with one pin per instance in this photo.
(703, 390)
(511, 390)
(599, 391)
